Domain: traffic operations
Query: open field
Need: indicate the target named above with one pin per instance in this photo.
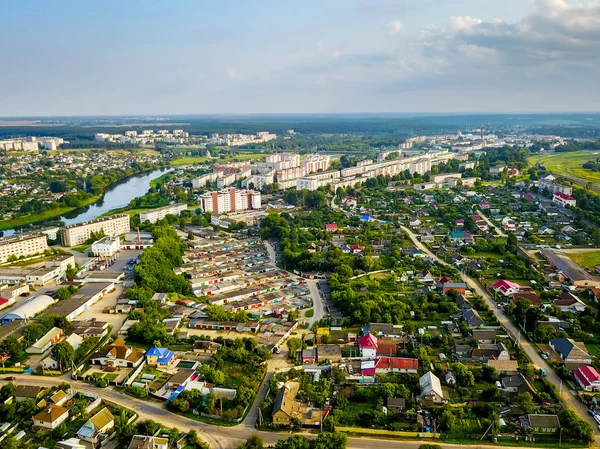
(586, 259)
(569, 165)
(186, 160)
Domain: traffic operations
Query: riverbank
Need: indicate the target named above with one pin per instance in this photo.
(20, 222)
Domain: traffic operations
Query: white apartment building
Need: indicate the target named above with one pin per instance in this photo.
(563, 199)
(290, 173)
(547, 182)
(230, 200)
(18, 145)
(226, 180)
(316, 162)
(78, 234)
(106, 247)
(22, 245)
(153, 215)
(200, 182)
(307, 184)
(283, 161)
(262, 180)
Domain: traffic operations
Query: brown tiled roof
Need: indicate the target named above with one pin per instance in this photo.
(50, 414)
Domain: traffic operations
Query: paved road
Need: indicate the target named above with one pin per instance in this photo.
(315, 293)
(570, 400)
(491, 224)
(217, 437)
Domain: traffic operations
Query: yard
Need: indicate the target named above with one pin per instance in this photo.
(585, 259)
(570, 166)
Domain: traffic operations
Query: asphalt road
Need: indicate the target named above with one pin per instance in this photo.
(490, 224)
(570, 400)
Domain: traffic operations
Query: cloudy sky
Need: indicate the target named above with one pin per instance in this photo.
(267, 56)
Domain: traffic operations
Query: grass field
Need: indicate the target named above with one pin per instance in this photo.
(569, 165)
(593, 349)
(587, 259)
(186, 160)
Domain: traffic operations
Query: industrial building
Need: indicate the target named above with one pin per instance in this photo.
(569, 269)
(28, 308)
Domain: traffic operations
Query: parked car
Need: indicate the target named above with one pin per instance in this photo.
(545, 356)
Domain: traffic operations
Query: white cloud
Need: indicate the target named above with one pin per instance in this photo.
(396, 27)
(233, 74)
(463, 22)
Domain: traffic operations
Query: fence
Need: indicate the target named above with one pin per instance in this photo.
(386, 433)
(133, 374)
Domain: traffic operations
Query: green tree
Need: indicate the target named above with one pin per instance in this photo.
(294, 345)
(64, 354)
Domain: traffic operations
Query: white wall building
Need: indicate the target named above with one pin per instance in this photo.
(22, 245)
(230, 200)
(106, 247)
(78, 234)
(153, 215)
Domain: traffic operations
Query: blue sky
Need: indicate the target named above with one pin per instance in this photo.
(185, 57)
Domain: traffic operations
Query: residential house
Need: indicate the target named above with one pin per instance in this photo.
(472, 318)
(206, 347)
(117, 354)
(181, 378)
(588, 378)
(508, 367)
(353, 249)
(531, 297)
(148, 442)
(568, 302)
(485, 352)
(331, 227)
(516, 384)
(59, 398)
(395, 403)
(384, 365)
(386, 346)
(542, 423)
(425, 277)
(458, 287)
(285, 408)
(160, 357)
(309, 355)
(23, 392)
(431, 389)
(100, 423)
(333, 353)
(571, 351)
(507, 288)
(44, 343)
(485, 336)
(51, 416)
(368, 346)
(563, 199)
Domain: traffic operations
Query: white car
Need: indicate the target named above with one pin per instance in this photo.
(545, 356)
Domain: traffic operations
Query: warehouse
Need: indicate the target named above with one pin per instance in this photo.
(28, 308)
(81, 300)
(576, 275)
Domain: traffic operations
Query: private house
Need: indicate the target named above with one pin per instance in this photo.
(117, 354)
(385, 365)
(309, 355)
(542, 423)
(383, 330)
(516, 384)
(458, 287)
(531, 297)
(368, 346)
(431, 389)
(331, 227)
(506, 288)
(472, 318)
(386, 346)
(148, 442)
(23, 392)
(588, 378)
(353, 249)
(508, 367)
(59, 398)
(100, 423)
(563, 199)
(485, 352)
(485, 336)
(395, 403)
(425, 277)
(568, 302)
(51, 417)
(571, 351)
(160, 357)
(181, 378)
(206, 347)
(333, 353)
(285, 408)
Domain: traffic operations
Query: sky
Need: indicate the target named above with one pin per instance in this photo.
(155, 57)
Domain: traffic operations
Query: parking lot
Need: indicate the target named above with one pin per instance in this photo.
(116, 320)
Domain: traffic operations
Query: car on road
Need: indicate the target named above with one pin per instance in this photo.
(10, 378)
(546, 404)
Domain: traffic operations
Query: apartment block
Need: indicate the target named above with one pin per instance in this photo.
(22, 245)
(78, 234)
(230, 200)
(153, 215)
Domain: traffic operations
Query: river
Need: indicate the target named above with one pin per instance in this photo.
(116, 196)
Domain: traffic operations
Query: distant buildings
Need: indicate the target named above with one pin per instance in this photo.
(153, 215)
(241, 139)
(230, 200)
(30, 143)
(547, 182)
(177, 136)
(78, 234)
(22, 245)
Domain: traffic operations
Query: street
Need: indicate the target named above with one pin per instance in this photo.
(570, 400)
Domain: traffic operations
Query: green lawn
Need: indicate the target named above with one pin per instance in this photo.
(186, 160)
(570, 166)
(593, 349)
(586, 259)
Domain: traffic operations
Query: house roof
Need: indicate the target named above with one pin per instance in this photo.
(368, 341)
(535, 299)
(400, 363)
(544, 421)
(163, 354)
(430, 383)
(387, 346)
(504, 365)
(472, 317)
(285, 401)
(328, 350)
(181, 376)
(451, 285)
(587, 375)
(27, 391)
(505, 285)
(51, 413)
(58, 396)
(484, 334)
(396, 402)
(569, 348)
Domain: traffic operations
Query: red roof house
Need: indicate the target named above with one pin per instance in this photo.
(331, 227)
(368, 341)
(507, 287)
(588, 378)
(396, 365)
